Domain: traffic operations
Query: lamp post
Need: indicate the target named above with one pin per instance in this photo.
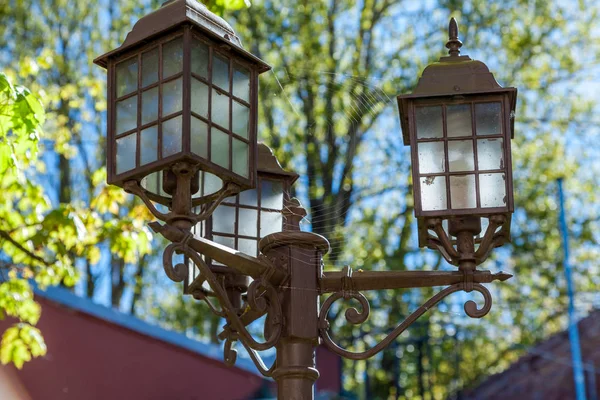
(182, 132)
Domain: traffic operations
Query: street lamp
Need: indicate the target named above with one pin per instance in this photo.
(233, 218)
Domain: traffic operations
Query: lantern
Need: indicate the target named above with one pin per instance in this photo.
(181, 88)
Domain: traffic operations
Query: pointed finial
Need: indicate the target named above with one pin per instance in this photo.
(453, 44)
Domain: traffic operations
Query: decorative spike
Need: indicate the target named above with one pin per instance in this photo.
(502, 276)
(453, 44)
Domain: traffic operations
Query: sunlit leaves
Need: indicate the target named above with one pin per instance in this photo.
(20, 343)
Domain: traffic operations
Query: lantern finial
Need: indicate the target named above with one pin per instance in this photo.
(453, 43)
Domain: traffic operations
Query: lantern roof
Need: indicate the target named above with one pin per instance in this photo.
(268, 163)
(174, 13)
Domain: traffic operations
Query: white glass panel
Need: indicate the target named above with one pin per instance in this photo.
(487, 118)
(249, 198)
(220, 109)
(247, 222)
(150, 67)
(211, 183)
(240, 118)
(149, 106)
(223, 219)
(199, 58)
(126, 147)
(492, 188)
(431, 157)
(220, 71)
(460, 155)
(458, 120)
(462, 191)
(433, 193)
(490, 154)
(219, 148)
(199, 98)
(225, 241)
(149, 145)
(199, 137)
(271, 194)
(270, 222)
(171, 136)
(127, 114)
(248, 246)
(239, 157)
(172, 55)
(172, 94)
(241, 82)
(127, 76)
(429, 122)
(150, 182)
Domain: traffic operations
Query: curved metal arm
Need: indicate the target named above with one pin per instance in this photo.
(358, 317)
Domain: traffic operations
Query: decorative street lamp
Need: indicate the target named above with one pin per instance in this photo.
(182, 133)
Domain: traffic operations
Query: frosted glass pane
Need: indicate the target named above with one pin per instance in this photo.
(271, 194)
(431, 157)
(211, 183)
(149, 145)
(127, 76)
(247, 222)
(487, 118)
(225, 241)
(149, 106)
(220, 109)
(270, 222)
(126, 147)
(248, 246)
(240, 157)
(240, 117)
(458, 120)
(429, 122)
(492, 188)
(199, 138)
(462, 191)
(172, 95)
(171, 136)
(200, 58)
(249, 198)
(433, 193)
(460, 155)
(220, 71)
(199, 98)
(490, 154)
(241, 82)
(219, 148)
(150, 67)
(150, 182)
(127, 114)
(172, 57)
(223, 219)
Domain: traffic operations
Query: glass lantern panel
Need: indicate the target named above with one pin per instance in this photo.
(127, 77)
(241, 82)
(490, 154)
(270, 222)
(219, 148)
(220, 71)
(149, 106)
(150, 183)
(488, 118)
(247, 222)
(220, 109)
(199, 98)
(172, 97)
(271, 194)
(492, 189)
(460, 155)
(433, 193)
(171, 136)
(126, 149)
(462, 191)
(249, 198)
(240, 117)
(248, 246)
(429, 122)
(127, 114)
(431, 157)
(199, 138)
(172, 55)
(225, 241)
(458, 120)
(239, 157)
(150, 67)
(223, 219)
(211, 183)
(200, 58)
(149, 145)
